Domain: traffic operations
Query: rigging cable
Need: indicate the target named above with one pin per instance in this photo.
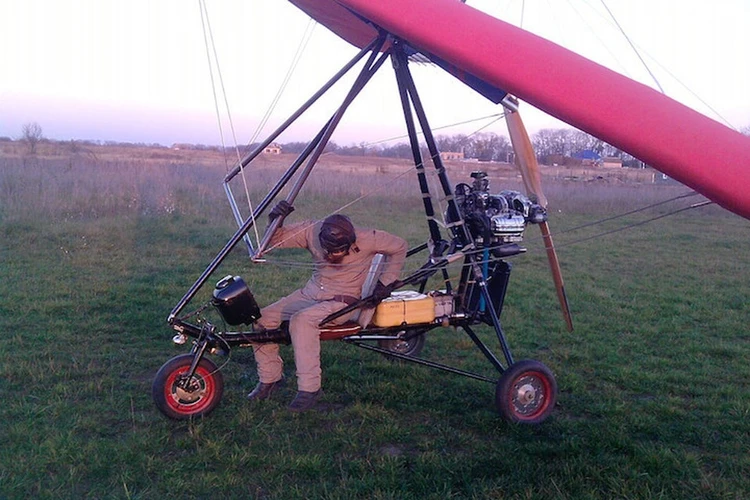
(602, 42)
(204, 20)
(207, 27)
(637, 224)
(208, 35)
(500, 116)
(295, 61)
(494, 115)
(625, 214)
(309, 265)
(293, 65)
(661, 66)
(620, 229)
(637, 53)
(700, 99)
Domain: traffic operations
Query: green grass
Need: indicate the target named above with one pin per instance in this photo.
(654, 400)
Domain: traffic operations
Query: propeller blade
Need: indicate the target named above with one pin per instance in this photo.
(525, 157)
(532, 180)
(554, 265)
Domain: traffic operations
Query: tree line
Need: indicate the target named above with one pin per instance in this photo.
(551, 145)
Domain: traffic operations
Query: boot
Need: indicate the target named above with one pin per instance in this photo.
(304, 401)
(265, 391)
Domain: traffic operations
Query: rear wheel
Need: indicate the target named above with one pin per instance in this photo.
(180, 397)
(410, 345)
(526, 393)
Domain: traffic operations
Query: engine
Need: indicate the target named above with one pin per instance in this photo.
(496, 219)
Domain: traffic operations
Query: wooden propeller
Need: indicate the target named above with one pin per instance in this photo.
(527, 164)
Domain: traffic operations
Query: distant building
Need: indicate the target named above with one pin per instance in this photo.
(612, 161)
(452, 155)
(588, 157)
(272, 149)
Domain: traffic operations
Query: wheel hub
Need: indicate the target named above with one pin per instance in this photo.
(401, 346)
(528, 394)
(188, 391)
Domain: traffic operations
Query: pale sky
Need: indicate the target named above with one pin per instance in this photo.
(137, 70)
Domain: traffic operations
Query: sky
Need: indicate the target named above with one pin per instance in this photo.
(138, 71)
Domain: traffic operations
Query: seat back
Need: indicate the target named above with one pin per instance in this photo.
(363, 316)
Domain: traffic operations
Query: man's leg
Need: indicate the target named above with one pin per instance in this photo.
(305, 333)
(269, 363)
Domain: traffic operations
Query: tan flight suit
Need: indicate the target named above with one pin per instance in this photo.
(327, 291)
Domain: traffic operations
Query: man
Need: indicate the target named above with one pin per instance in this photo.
(342, 255)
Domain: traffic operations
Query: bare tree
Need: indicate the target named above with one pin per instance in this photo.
(31, 134)
(488, 146)
(455, 143)
(557, 144)
(579, 141)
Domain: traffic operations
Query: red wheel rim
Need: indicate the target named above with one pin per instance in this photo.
(190, 402)
(530, 395)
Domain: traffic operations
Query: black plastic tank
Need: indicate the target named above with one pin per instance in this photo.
(234, 301)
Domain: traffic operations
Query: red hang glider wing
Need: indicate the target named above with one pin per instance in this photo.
(339, 19)
(684, 144)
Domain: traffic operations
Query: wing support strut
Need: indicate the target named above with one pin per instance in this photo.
(409, 98)
(372, 66)
(245, 161)
(315, 147)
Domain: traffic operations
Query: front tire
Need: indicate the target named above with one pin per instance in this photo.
(526, 393)
(179, 398)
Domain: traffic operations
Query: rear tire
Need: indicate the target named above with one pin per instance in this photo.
(408, 347)
(180, 399)
(526, 393)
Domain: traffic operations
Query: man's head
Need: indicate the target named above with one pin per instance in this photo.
(336, 237)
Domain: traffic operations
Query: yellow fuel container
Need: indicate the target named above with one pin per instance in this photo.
(404, 307)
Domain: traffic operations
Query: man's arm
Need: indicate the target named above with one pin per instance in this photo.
(394, 248)
(292, 236)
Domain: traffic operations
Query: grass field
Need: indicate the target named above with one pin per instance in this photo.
(654, 396)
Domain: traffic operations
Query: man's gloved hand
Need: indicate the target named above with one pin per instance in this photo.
(282, 209)
(381, 292)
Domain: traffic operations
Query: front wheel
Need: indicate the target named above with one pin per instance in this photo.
(180, 397)
(526, 393)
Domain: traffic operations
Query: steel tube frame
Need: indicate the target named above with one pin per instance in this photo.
(409, 98)
(370, 68)
(421, 361)
(278, 187)
(245, 161)
(376, 42)
(365, 75)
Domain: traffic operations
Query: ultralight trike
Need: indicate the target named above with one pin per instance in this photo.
(485, 229)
